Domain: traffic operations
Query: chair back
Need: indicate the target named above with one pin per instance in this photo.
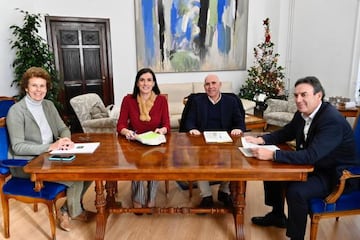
(83, 105)
(4, 148)
(4, 140)
(5, 104)
(357, 133)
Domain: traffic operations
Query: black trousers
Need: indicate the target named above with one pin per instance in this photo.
(297, 196)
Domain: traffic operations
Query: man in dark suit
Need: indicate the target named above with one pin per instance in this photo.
(214, 111)
(324, 139)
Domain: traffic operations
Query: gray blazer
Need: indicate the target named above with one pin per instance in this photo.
(24, 133)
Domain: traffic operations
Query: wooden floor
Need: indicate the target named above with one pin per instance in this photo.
(25, 224)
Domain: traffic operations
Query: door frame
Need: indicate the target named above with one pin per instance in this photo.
(107, 88)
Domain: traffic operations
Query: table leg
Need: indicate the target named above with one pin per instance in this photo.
(102, 212)
(238, 190)
(110, 187)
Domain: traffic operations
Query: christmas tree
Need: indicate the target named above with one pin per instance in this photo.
(265, 76)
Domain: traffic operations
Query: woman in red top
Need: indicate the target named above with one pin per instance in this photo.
(144, 110)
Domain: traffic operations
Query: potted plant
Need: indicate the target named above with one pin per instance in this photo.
(33, 51)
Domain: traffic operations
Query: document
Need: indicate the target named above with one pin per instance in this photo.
(79, 148)
(217, 137)
(151, 138)
(246, 148)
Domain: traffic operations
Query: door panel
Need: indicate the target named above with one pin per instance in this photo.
(83, 59)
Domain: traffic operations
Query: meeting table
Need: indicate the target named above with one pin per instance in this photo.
(182, 158)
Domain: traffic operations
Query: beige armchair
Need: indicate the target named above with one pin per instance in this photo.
(92, 113)
(279, 112)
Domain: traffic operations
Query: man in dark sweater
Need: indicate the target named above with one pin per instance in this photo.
(214, 111)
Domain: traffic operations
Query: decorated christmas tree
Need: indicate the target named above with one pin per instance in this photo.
(265, 76)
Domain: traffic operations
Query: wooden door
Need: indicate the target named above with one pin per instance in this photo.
(83, 58)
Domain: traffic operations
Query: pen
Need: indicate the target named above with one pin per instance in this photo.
(132, 134)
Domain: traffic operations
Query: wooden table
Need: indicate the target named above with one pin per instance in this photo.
(254, 122)
(348, 112)
(183, 157)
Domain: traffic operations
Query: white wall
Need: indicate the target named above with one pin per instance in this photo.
(321, 44)
(324, 42)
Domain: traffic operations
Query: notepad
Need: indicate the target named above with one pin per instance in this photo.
(217, 137)
(79, 148)
(150, 138)
(246, 148)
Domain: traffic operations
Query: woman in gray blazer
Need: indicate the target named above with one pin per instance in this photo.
(35, 127)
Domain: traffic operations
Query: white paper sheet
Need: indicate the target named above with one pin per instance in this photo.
(79, 148)
(246, 148)
(217, 137)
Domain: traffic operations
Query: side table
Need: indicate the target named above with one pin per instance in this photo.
(259, 109)
(253, 122)
(348, 112)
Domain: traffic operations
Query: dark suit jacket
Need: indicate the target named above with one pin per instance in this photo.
(194, 115)
(330, 145)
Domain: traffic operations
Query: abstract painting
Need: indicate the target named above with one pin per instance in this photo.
(191, 35)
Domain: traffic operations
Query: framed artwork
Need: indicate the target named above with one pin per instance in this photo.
(191, 35)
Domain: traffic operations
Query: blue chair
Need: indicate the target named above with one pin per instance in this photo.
(338, 203)
(4, 171)
(22, 189)
(5, 104)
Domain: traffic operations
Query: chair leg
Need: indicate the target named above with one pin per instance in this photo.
(6, 217)
(190, 189)
(5, 207)
(52, 218)
(166, 188)
(314, 226)
(35, 207)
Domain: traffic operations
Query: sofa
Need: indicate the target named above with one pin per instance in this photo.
(279, 112)
(176, 93)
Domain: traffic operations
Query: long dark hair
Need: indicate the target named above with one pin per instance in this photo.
(155, 88)
(314, 82)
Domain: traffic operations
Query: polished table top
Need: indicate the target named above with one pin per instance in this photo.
(183, 157)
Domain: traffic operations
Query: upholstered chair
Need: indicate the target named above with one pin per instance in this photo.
(22, 189)
(5, 104)
(279, 112)
(92, 114)
(339, 202)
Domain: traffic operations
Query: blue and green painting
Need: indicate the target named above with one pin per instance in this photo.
(191, 35)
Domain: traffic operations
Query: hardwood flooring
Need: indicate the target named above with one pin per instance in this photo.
(26, 224)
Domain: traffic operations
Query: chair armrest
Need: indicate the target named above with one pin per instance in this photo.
(14, 163)
(2, 122)
(276, 105)
(353, 172)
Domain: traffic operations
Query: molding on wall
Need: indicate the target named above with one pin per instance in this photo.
(355, 63)
(290, 36)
